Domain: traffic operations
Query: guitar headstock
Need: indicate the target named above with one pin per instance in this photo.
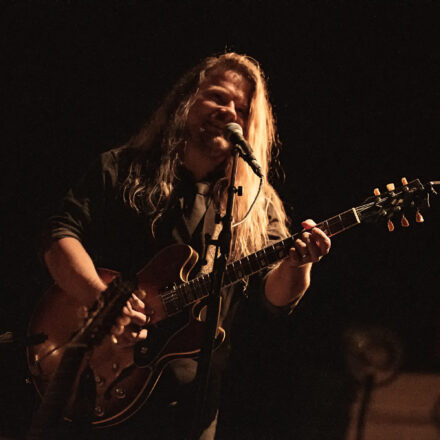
(103, 314)
(406, 200)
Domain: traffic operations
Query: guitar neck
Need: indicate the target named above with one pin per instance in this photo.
(185, 294)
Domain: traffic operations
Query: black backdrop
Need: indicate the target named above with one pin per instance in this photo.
(355, 89)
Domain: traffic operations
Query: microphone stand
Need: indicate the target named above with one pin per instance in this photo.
(223, 244)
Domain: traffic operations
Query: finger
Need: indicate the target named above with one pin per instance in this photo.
(140, 294)
(308, 224)
(322, 240)
(136, 317)
(128, 306)
(300, 245)
(117, 330)
(136, 303)
(313, 253)
(140, 335)
(123, 320)
(295, 257)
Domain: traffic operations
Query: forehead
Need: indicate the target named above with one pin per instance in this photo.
(231, 80)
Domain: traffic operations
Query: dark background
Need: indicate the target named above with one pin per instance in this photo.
(355, 88)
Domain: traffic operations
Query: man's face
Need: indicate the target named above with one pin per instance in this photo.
(222, 98)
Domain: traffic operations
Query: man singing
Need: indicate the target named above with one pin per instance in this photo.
(165, 186)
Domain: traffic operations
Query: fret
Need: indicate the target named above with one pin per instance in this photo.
(324, 226)
(197, 288)
(194, 296)
(239, 270)
(205, 281)
(258, 261)
(253, 262)
(227, 276)
(340, 223)
(178, 300)
(269, 256)
(266, 257)
(350, 218)
(280, 250)
(334, 225)
(171, 305)
(188, 293)
(235, 277)
(246, 264)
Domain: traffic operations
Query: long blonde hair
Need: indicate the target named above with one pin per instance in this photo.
(161, 140)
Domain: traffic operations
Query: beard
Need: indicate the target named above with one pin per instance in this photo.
(213, 145)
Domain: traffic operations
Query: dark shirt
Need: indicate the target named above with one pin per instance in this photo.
(119, 238)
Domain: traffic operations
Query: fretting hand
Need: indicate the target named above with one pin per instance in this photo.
(310, 247)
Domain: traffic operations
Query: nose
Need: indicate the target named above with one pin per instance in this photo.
(227, 113)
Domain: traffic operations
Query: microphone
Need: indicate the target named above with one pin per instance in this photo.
(233, 133)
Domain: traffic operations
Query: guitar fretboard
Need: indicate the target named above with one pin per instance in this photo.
(181, 296)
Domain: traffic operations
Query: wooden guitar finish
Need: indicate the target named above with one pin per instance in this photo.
(121, 386)
(125, 377)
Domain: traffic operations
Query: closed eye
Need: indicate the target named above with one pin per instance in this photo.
(217, 97)
(242, 111)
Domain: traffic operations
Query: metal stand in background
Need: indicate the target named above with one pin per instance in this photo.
(223, 244)
(373, 356)
(367, 388)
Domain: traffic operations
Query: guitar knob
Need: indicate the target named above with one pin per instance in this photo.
(143, 350)
(419, 217)
(404, 181)
(119, 393)
(99, 411)
(376, 192)
(99, 380)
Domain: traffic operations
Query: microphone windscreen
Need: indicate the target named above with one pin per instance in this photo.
(232, 129)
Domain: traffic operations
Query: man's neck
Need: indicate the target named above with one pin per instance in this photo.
(199, 165)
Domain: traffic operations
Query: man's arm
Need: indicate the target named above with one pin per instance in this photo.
(289, 281)
(74, 272)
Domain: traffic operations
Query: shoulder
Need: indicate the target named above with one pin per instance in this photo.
(115, 164)
(117, 158)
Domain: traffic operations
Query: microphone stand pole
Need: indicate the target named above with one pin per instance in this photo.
(223, 245)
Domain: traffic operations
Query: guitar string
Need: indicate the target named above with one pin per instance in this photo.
(173, 295)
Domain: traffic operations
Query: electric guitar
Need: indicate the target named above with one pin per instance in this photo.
(124, 377)
(67, 365)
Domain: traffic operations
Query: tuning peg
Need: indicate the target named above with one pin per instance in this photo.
(404, 221)
(376, 192)
(404, 181)
(390, 225)
(419, 217)
(391, 187)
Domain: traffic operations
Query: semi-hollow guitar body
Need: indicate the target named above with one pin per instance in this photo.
(122, 387)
